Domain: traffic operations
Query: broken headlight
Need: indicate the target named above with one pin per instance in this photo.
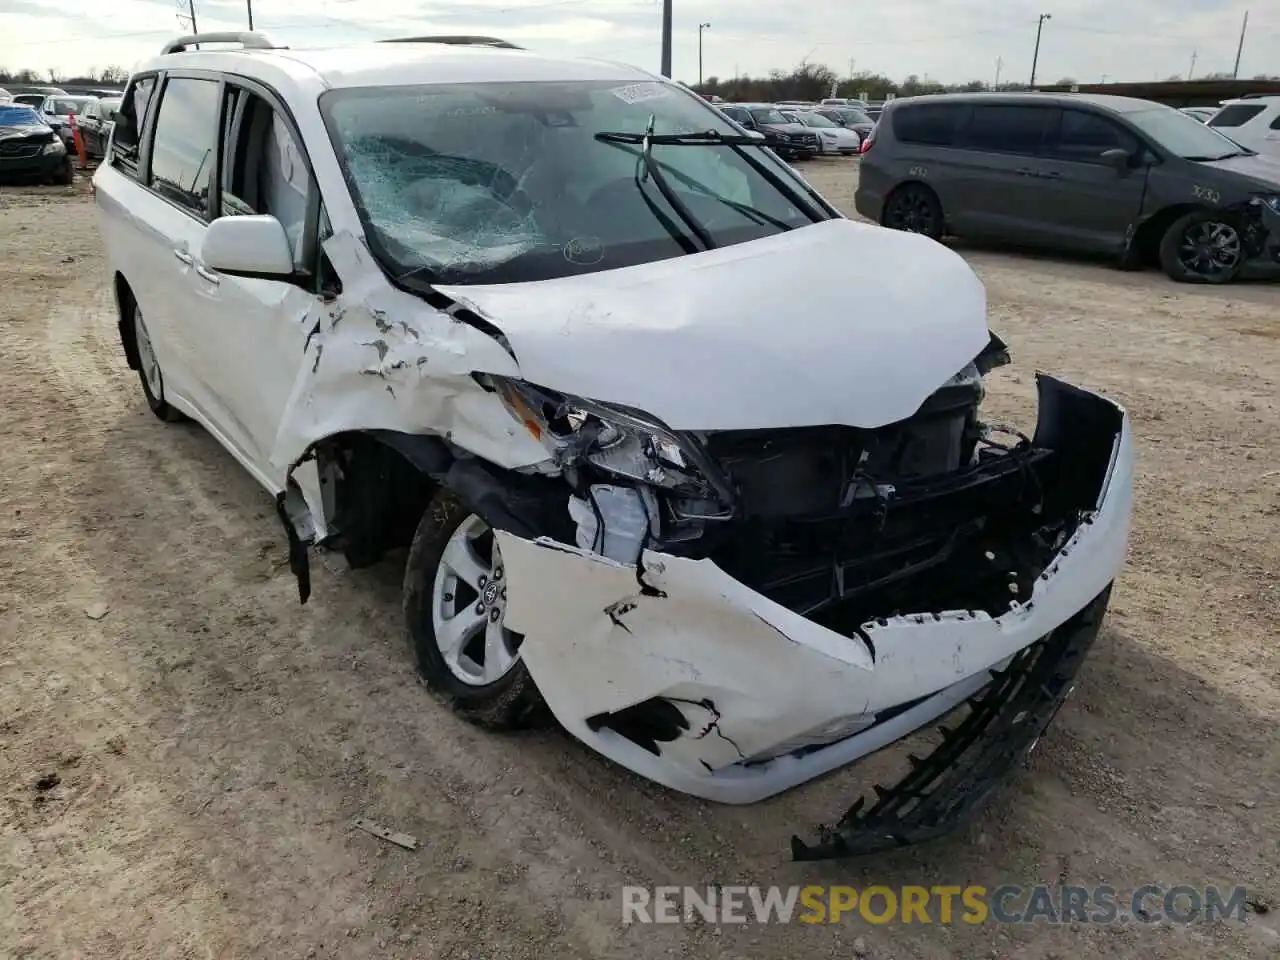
(616, 441)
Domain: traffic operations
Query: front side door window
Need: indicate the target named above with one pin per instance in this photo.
(265, 170)
(1083, 137)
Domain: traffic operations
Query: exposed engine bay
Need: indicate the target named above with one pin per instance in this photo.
(841, 525)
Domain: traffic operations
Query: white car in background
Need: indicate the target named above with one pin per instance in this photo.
(516, 314)
(1252, 121)
(833, 138)
(1203, 114)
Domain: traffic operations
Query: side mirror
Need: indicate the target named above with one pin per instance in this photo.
(1115, 157)
(255, 247)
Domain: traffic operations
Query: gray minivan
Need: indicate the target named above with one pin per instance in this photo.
(1100, 174)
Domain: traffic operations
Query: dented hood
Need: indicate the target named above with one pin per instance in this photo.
(835, 323)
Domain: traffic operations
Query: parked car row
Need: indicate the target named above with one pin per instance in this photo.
(1138, 180)
(53, 111)
(29, 148)
(800, 131)
(790, 140)
(96, 122)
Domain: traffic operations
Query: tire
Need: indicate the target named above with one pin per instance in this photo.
(149, 370)
(446, 581)
(914, 208)
(1202, 246)
(66, 176)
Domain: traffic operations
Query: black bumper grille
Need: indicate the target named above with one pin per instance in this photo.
(1003, 724)
(20, 149)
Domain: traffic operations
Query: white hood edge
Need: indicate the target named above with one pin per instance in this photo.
(835, 323)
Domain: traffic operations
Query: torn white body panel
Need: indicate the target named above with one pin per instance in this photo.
(708, 342)
(753, 678)
(377, 358)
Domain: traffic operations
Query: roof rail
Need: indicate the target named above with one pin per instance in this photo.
(460, 39)
(249, 40)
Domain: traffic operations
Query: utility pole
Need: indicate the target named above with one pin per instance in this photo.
(249, 5)
(1193, 64)
(852, 61)
(999, 67)
(191, 5)
(1035, 57)
(666, 39)
(701, 27)
(1240, 49)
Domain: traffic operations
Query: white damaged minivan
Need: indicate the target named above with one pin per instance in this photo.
(515, 314)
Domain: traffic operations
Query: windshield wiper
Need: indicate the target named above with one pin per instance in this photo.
(1221, 156)
(735, 142)
(646, 141)
(754, 214)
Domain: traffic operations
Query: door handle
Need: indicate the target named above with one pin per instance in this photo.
(207, 274)
(1026, 172)
(184, 257)
(1051, 175)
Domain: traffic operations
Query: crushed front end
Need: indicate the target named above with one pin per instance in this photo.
(1261, 234)
(744, 611)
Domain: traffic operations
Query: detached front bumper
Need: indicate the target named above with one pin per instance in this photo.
(1269, 224)
(684, 675)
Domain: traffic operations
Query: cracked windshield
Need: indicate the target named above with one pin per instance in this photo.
(501, 182)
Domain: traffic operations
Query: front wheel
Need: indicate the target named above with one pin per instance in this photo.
(455, 597)
(914, 208)
(1202, 247)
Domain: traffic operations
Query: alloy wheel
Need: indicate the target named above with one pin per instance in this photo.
(911, 211)
(468, 606)
(1210, 249)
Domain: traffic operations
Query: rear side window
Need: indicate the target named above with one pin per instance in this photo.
(129, 119)
(1085, 136)
(936, 124)
(1236, 115)
(1009, 129)
(185, 137)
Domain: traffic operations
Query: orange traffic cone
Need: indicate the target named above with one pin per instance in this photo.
(79, 141)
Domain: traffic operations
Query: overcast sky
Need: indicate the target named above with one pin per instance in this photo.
(946, 40)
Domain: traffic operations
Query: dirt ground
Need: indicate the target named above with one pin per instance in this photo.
(183, 746)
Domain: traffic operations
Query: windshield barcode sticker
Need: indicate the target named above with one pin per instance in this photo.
(640, 92)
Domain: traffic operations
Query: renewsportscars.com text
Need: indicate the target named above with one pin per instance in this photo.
(941, 904)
